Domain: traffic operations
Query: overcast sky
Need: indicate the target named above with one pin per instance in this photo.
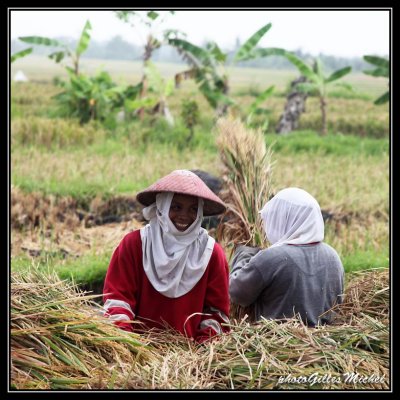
(341, 32)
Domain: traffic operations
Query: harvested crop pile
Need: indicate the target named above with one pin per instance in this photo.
(59, 341)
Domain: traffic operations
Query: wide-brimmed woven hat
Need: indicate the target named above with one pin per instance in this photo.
(184, 182)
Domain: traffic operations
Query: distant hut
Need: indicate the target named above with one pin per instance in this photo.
(20, 77)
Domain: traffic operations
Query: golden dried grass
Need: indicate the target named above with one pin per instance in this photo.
(247, 174)
(59, 342)
(247, 163)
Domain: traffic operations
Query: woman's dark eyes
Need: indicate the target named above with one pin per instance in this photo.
(178, 208)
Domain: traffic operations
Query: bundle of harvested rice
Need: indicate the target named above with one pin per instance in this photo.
(271, 355)
(289, 355)
(285, 355)
(58, 343)
(247, 175)
(59, 339)
(367, 293)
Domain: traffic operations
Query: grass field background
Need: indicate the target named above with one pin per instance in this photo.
(56, 160)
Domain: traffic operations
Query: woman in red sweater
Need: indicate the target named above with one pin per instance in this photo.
(171, 274)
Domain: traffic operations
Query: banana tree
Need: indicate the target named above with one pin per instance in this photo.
(89, 97)
(190, 115)
(208, 67)
(21, 54)
(255, 109)
(159, 91)
(382, 69)
(316, 81)
(63, 50)
(95, 97)
(148, 19)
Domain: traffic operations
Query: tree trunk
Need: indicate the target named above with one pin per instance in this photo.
(142, 94)
(222, 108)
(295, 105)
(148, 50)
(323, 114)
(190, 137)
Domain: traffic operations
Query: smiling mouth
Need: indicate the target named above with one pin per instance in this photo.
(181, 227)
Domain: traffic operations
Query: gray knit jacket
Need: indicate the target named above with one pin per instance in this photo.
(288, 280)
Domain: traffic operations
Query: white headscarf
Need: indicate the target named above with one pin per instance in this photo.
(174, 261)
(292, 216)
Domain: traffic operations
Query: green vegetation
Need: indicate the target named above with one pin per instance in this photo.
(335, 144)
(366, 259)
(84, 97)
(88, 271)
(62, 49)
(316, 82)
(381, 69)
(208, 67)
(190, 116)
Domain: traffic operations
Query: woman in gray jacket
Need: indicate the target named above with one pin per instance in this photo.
(298, 274)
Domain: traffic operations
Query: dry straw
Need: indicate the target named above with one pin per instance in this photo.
(247, 174)
(58, 342)
(351, 354)
(367, 293)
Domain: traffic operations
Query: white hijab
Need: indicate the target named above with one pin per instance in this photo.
(174, 261)
(292, 216)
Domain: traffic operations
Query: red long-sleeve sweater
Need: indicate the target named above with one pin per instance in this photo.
(128, 295)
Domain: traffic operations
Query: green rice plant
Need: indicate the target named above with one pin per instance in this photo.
(361, 259)
(308, 141)
(89, 269)
(361, 242)
(84, 173)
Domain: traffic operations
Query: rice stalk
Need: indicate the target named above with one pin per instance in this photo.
(269, 355)
(278, 355)
(75, 348)
(247, 163)
(367, 293)
(60, 340)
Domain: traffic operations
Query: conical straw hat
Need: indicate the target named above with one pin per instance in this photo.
(183, 182)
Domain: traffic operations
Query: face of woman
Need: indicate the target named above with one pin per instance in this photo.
(183, 211)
